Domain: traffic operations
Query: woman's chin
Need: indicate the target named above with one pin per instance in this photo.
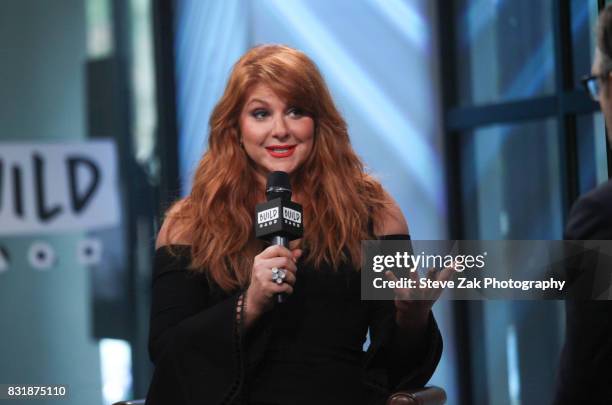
(287, 168)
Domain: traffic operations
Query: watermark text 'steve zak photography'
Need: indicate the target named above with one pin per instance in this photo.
(487, 269)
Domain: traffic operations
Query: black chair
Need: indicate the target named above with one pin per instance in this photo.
(422, 396)
(134, 402)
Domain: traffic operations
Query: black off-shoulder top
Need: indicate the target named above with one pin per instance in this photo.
(307, 350)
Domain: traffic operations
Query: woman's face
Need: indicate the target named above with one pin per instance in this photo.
(276, 136)
(605, 93)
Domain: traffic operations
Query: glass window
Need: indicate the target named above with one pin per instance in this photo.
(505, 50)
(512, 189)
(516, 351)
(144, 117)
(592, 151)
(512, 185)
(99, 28)
(583, 20)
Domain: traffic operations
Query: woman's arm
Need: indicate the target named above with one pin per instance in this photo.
(412, 317)
(194, 329)
(392, 220)
(405, 338)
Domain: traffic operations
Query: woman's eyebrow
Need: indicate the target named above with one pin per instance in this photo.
(257, 100)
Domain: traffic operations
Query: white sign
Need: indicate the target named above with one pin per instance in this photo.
(54, 187)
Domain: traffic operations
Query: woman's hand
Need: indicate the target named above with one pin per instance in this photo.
(413, 304)
(263, 289)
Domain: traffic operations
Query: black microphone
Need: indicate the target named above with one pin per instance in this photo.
(278, 220)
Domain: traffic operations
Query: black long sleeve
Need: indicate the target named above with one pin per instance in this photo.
(195, 340)
(390, 362)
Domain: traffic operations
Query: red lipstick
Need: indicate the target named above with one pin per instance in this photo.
(281, 151)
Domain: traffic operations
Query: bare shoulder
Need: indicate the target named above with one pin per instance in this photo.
(174, 228)
(392, 220)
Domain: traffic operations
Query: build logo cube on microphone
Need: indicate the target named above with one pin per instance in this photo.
(279, 216)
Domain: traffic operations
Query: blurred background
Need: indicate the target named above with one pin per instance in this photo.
(470, 112)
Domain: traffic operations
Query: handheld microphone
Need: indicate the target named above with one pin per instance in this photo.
(278, 220)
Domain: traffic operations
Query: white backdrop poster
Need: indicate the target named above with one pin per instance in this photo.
(55, 187)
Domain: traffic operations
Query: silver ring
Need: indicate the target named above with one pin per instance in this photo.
(278, 275)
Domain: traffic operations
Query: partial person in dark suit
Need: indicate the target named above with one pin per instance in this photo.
(585, 376)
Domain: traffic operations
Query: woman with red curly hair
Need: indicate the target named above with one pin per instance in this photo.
(217, 336)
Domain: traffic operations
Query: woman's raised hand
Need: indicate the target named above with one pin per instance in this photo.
(413, 304)
(263, 288)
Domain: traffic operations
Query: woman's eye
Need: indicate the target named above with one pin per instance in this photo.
(296, 112)
(259, 114)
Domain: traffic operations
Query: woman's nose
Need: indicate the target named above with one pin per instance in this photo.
(280, 129)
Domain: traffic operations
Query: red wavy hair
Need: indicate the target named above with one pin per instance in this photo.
(338, 197)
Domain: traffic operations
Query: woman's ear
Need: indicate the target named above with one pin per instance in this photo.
(607, 85)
